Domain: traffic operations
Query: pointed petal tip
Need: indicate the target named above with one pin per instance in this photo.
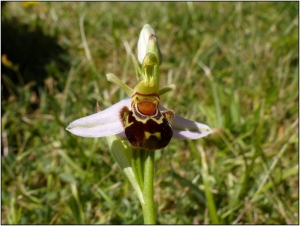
(207, 129)
(189, 130)
(69, 127)
(189, 135)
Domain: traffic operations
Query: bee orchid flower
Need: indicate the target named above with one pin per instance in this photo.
(143, 104)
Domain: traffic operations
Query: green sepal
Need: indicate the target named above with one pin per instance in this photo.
(114, 79)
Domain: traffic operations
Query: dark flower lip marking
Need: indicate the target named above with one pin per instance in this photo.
(145, 125)
(146, 134)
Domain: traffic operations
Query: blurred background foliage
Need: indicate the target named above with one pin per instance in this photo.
(235, 65)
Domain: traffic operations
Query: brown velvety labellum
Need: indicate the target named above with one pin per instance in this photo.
(146, 134)
(147, 107)
(145, 126)
(159, 135)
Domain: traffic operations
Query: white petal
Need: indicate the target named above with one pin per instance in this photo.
(189, 135)
(101, 124)
(143, 40)
(187, 129)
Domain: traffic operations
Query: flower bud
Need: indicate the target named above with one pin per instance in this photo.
(148, 43)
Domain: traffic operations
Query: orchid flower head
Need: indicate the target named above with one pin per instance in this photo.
(140, 118)
(108, 122)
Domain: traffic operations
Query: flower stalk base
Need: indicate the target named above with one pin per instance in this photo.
(148, 191)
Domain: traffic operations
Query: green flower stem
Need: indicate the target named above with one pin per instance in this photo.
(136, 163)
(148, 191)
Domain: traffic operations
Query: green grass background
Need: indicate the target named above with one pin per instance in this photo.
(235, 65)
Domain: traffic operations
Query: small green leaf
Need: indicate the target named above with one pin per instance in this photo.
(118, 151)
